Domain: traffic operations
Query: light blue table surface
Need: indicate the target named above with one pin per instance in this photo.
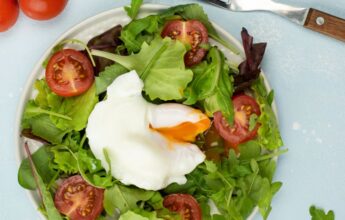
(306, 70)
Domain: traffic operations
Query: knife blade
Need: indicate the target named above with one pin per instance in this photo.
(310, 18)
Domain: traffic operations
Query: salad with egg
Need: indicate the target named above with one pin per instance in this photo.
(152, 120)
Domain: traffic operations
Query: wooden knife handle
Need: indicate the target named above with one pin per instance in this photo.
(326, 24)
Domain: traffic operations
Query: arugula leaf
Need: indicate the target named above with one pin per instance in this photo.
(124, 198)
(319, 214)
(160, 65)
(252, 121)
(139, 31)
(212, 85)
(106, 77)
(270, 97)
(206, 76)
(52, 212)
(195, 11)
(133, 10)
(235, 184)
(268, 133)
(249, 150)
(41, 158)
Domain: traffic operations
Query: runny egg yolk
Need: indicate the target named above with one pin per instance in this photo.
(185, 131)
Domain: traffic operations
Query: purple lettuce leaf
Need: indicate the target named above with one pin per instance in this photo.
(249, 69)
(107, 41)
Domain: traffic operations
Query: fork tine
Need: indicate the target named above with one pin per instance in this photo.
(219, 3)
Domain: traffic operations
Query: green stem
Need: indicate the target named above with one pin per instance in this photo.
(153, 60)
(81, 43)
(56, 114)
(83, 139)
(267, 156)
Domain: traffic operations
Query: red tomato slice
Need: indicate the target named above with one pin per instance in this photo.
(184, 204)
(42, 9)
(9, 11)
(78, 200)
(239, 132)
(69, 73)
(191, 32)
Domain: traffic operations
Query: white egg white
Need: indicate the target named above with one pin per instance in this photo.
(139, 155)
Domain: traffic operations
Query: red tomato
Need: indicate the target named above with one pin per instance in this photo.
(78, 200)
(184, 204)
(191, 32)
(42, 9)
(9, 11)
(69, 73)
(239, 132)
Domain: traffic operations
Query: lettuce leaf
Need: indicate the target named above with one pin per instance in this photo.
(212, 85)
(51, 117)
(106, 77)
(139, 31)
(108, 41)
(78, 109)
(143, 215)
(82, 161)
(160, 65)
(131, 201)
(124, 198)
(249, 69)
(42, 126)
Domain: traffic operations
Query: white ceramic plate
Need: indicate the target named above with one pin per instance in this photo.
(84, 31)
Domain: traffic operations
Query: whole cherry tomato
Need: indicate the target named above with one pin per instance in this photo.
(42, 9)
(9, 11)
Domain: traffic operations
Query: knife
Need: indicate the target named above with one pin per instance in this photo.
(310, 18)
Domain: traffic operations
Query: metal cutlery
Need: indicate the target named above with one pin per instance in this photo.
(307, 17)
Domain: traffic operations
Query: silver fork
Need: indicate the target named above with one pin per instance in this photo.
(307, 17)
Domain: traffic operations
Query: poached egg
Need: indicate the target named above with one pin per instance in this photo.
(149, 145)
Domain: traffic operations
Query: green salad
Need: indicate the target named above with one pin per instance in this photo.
(152, 121)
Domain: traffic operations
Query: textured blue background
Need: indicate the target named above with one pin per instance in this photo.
(306, 70)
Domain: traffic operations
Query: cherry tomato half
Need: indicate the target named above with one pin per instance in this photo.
(9, 11)
(42, 9)
(184, 204)
(78, 200)
(191, 32)
(239, 132)
(69, 73)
